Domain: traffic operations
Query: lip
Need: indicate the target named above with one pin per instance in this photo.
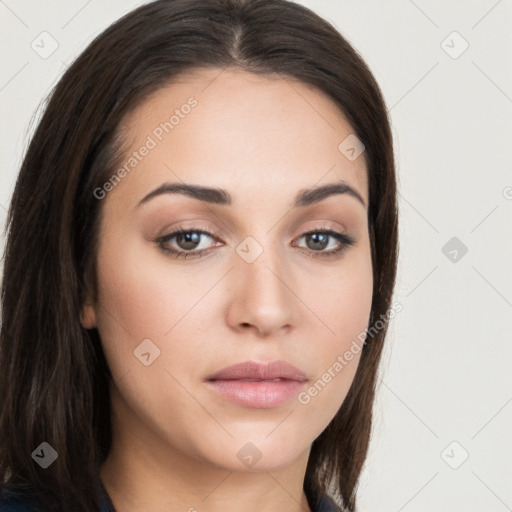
(258, 385)
(260, 371)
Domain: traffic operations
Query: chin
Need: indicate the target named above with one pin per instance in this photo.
(256, 453)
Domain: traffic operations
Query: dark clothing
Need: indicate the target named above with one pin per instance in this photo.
(10, 502)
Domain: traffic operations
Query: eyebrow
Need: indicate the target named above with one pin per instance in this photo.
(305, 197)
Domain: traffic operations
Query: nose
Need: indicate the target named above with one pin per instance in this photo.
(263, 299)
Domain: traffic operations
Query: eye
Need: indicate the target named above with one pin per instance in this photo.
(187, 243)
(318, 241)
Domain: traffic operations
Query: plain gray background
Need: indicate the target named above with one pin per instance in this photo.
(444, 411)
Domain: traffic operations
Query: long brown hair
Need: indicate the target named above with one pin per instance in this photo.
(54, 379)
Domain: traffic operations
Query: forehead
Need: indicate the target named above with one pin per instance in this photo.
(237, 130)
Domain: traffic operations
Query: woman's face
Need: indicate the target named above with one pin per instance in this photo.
(255, 286)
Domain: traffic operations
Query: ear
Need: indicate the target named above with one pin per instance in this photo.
(88, 317)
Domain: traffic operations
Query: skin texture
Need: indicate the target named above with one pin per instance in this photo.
(263, 139)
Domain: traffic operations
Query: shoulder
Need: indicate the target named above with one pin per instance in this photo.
(14, 502)
(325, 504)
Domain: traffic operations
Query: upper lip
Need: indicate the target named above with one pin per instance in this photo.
(260, 371)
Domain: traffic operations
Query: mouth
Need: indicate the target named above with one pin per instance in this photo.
(252, 370)
(258, 385)
(258, 380)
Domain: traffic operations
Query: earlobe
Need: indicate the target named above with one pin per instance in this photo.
(88, 317)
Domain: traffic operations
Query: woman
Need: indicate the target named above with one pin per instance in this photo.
(199, 269)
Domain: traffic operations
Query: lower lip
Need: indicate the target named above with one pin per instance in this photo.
(259, 394)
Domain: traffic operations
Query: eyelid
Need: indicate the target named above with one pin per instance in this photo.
(340, 236)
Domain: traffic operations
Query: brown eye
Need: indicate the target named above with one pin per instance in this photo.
(188, 241)
(184, 243)
(318, 241)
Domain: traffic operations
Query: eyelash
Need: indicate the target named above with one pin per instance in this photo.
(345, 242)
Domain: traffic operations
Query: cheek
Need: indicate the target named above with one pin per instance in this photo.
(342, 297)
(183, 310)
(126, 313)
(136, 289)
(343, 303)
(144, 296)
